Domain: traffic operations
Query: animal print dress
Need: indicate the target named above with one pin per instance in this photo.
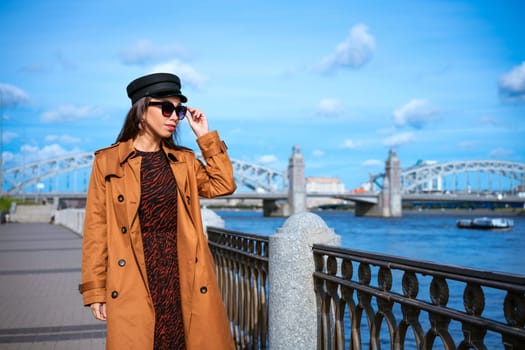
(158, 222)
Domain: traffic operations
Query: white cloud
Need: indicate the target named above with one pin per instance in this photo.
(415, 113)
(66, 113)
(51, 138)
(350, 144)
(318, 153)
(330, 107)
(186, 73)
(372, 162)
(34, 153)
(353, 52)
(490, 121)
(468, 144)
(7, 157)
(512, 85)
(67, 139)
(399, 139)
(386, 131)
(12, 96)
(500, 152)
(8, 136)
(143, 52)
(267, 159)
(29, 149)
(31, 153)
(51, 151)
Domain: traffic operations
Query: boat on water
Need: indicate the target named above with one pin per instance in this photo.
(486, 223)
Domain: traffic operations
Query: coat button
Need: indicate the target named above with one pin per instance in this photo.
(114, 294)
(123, 229)
(204, 290)
(121, 262)
(120, 198)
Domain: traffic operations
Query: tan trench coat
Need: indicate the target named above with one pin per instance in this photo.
(113, 265)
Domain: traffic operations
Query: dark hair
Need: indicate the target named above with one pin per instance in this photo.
(131, 129)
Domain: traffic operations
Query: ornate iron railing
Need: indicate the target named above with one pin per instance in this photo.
(242, 269)
(452, 298)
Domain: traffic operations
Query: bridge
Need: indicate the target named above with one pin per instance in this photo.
(476, 175)
(70, 174)
(456, 181)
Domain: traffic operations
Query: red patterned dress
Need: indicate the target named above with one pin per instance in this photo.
(158, 222)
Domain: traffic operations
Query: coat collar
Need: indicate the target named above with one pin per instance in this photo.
(127, 151)
(124, 152)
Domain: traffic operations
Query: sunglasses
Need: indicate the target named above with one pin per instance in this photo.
(168, 108)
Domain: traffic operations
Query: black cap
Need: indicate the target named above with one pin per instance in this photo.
(155, 85)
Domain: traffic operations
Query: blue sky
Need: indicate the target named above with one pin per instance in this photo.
(343, 80)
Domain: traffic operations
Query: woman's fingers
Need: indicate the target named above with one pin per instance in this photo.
(99, 311)
(198, 121)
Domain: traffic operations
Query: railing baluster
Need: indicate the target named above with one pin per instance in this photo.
(446, 323)
(242, 263)
(354, 303)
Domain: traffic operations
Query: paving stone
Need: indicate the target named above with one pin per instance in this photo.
(39, 300)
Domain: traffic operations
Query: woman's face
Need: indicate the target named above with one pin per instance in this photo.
(156, 121)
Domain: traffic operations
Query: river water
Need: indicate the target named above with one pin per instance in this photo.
(422, 236)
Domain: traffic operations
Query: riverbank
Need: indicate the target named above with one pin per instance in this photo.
(464, 212)
(468, 212)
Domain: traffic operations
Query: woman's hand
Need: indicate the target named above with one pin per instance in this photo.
(198, 122)
(99, 311)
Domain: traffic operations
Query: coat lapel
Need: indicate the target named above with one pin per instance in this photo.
(133, 190)
(180, 171)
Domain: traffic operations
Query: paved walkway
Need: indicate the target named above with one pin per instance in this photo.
(40, 306)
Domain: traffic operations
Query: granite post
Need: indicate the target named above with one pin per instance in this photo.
(292, 302)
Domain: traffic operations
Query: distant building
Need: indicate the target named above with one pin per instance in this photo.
(324, 185)
(331, 185)
(365, 187)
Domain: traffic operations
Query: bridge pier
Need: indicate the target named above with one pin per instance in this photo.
(296, 190)
(366, 209)
(389, 201)
(271, 207)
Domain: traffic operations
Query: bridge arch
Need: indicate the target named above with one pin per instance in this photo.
(432, 176)
(23, 178)
(258, 178)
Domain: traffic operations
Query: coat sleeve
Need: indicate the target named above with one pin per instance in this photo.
(216, 177)
(94, 244)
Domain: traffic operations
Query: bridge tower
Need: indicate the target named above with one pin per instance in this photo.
(297, 182)
(390, 197)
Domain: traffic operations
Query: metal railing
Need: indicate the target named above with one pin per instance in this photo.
(414, 304)
(242, 269)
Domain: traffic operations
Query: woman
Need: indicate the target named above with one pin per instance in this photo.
(146, 266)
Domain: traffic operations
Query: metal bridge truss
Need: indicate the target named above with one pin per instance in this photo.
(419, 178)
(429, 177)
(26, 178)
(258, 178)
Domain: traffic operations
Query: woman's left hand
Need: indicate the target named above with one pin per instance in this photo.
(198, 121)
